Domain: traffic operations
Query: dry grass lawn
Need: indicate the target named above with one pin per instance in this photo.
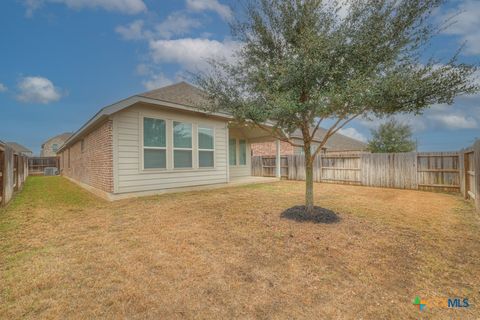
(227, 253)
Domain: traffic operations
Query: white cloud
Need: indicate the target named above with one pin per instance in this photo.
(191, 53)
(454, 121)
(175, 24)
(132, 31)
(353, 133)
(222, 10)
(142, 69)
(38, 90)
(157, 81)
(3, 88)
(122, 6)
(466, 24)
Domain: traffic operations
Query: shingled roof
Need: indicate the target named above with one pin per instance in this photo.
(18, 147)
(337, 142)
(184, 96)
(180, 93)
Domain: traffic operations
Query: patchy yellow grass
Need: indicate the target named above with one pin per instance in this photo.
(226, 253)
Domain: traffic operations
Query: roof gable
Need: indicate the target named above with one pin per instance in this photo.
(181, 93)
(63, 136)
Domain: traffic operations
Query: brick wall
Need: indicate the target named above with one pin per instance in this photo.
(93, 165)
(269, 149)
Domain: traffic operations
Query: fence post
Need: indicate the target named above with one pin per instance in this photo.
(476, 169)
(278, 159)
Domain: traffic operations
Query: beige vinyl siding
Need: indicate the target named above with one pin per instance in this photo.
(128, 161)
(240, 170)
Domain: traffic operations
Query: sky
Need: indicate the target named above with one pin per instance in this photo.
(63, 60)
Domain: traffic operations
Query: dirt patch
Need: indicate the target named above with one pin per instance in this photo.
(318, 215)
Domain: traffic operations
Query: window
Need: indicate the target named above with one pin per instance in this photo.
(205, 147)
(154, 144)
(82, 145)
(232, 151)
(182, 145)
(54, 147)
(243, 152)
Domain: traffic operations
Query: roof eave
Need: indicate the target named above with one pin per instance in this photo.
(116, 107)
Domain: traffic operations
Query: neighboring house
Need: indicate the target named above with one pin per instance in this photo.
(336, 143)
(51, 146)
(157, 141)
(19, 149)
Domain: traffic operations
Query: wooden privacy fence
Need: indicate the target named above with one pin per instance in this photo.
(13, 172)
(429, 171)
(37, 165)
(470, 173)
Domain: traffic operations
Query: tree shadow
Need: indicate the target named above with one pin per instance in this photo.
(319, 215)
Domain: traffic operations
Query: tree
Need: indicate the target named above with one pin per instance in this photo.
(392, 137)
(302, 63)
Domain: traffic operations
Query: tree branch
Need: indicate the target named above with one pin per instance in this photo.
(334, 129)
(279, 137)
(316, 127)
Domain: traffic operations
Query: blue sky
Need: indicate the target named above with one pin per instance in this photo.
(62, 60)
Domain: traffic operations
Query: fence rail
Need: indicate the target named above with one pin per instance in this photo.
(428, 171)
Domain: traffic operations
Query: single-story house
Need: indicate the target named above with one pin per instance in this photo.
(51, 146)
(19, 149)
(337, 143)
(159, 141)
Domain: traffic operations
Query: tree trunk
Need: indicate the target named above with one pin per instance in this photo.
(308, 179)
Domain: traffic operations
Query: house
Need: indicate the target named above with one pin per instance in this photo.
(51, 146)
(337, 143)
(19, 149)
(159, 141)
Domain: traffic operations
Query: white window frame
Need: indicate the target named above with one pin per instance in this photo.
(183, 149)
(246, 152)
(142, 137)
(199, 125)
(237, 152)
(169, 128)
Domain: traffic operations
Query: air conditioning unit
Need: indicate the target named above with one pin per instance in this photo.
(50, 171)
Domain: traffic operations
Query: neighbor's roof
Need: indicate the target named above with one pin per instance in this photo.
(179, 96)
(17, 147)
(64, 136)
(337, 142)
